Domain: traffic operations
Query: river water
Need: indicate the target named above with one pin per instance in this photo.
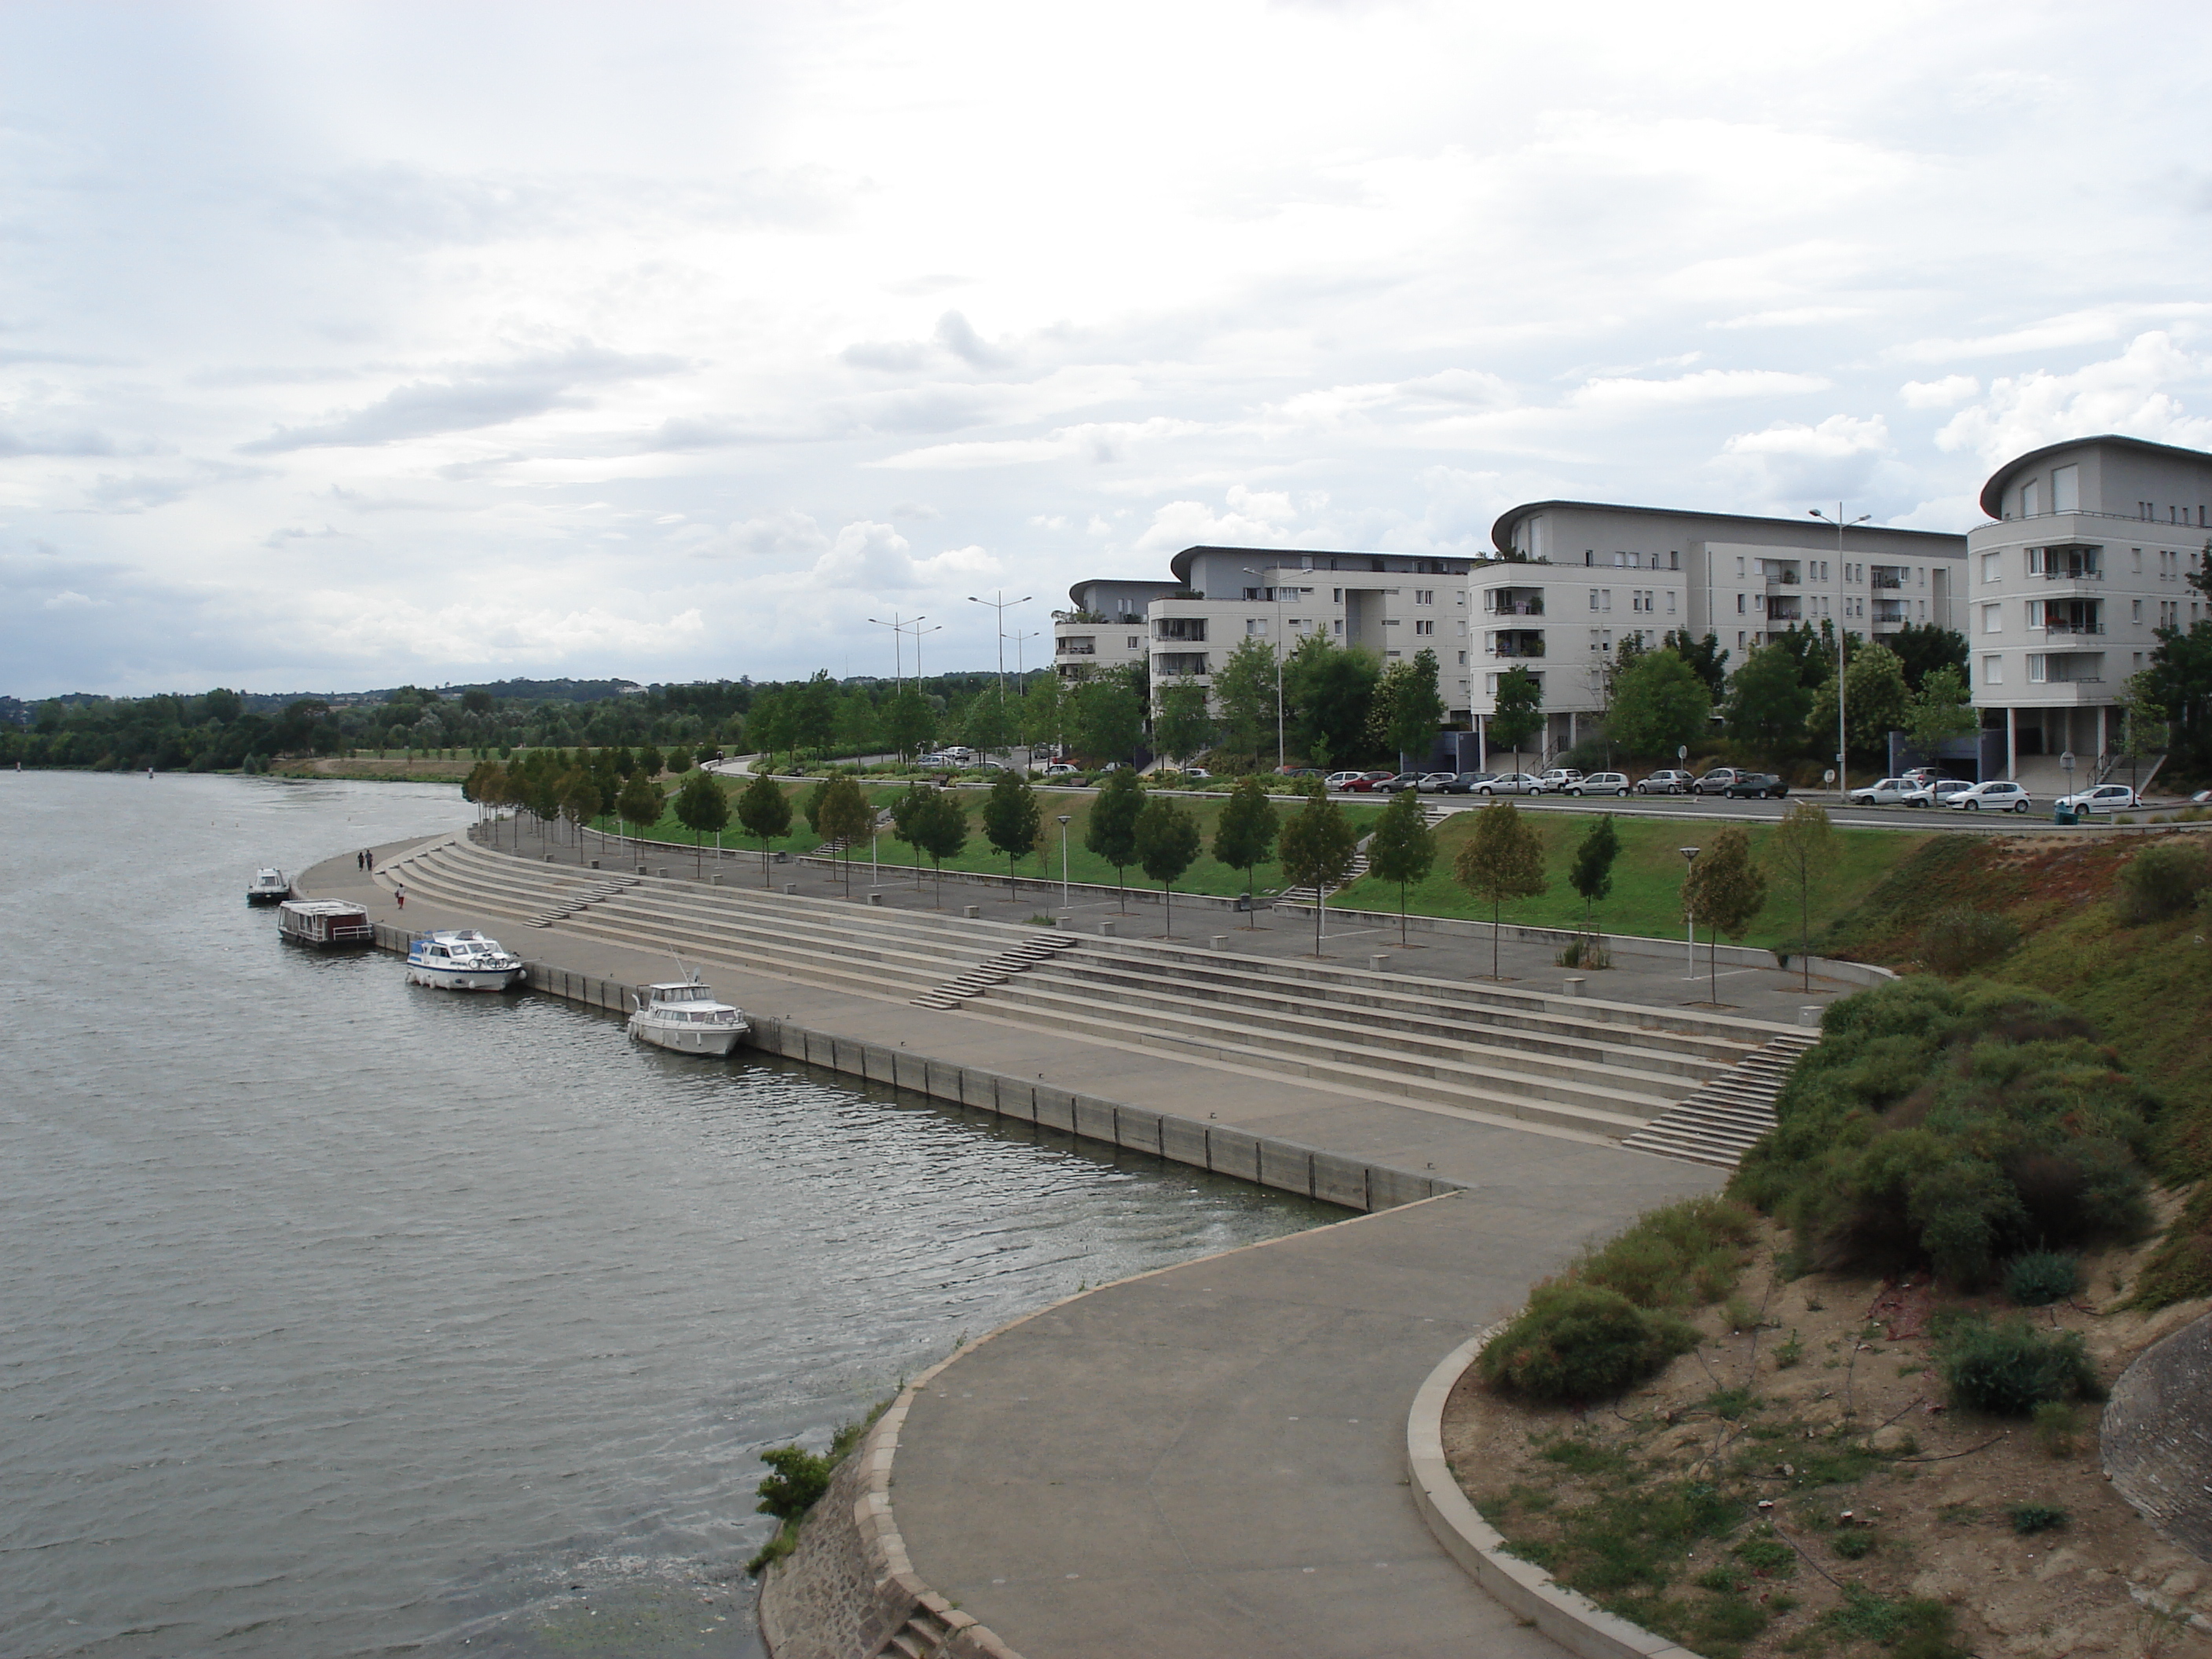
(346, 1317)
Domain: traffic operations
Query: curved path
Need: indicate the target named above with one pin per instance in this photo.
(1210, 1461)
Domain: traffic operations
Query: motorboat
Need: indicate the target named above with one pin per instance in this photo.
(461, 959)
(683, 1015)
(328, 924)
(268, 886)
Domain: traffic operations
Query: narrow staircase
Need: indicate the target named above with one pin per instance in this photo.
(1728, 1113)
(562, 909)
(996, 970)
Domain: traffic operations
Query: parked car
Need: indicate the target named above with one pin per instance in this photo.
(1756, 785)
(1465, 783)
(1511, 783)
(1433, 783)
(1559, 777)
(1716, 780)
(1999, 795)
(1937, 792)
(1600, 783)
(1668, 782)
(1396, 781)
(2103, 798)
(1889, 791)
(957, 755)
(1057, 769)
(1922, 773)
(1198, 773)
(1345, 779)
(1297, 772)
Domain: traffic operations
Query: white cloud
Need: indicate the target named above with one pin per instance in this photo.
(2135, 393)
(1946, 393)
(1839, 434)
(1630, 396)
(874, 558)
(1261, 517)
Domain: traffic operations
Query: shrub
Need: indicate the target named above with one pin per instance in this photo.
(2009, 1368)
(2056, 1423)
(1960, 939)
(2161, 881)
(1585, 951)
(1681, 1256)
(2029, 1519)
(1581, 1342)
(1856, 1544)
(800, 1478)
(2040, 1278)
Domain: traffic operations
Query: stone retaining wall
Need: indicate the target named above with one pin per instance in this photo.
(2156, 1436)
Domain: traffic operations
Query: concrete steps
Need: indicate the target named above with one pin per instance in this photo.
(1724, 1119)
(1682, 1083)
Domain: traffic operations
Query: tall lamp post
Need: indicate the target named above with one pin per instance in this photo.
(1000, 604)
(1276, 642)
(1689, 916)
(1842, 765)
(898, 627)
(1064, 904)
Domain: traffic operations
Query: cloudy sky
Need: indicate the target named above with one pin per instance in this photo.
(345, 344)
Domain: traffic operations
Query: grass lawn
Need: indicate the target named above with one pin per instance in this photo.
(1206, 876)
(1647, 879)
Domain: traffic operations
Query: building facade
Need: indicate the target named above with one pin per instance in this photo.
(2082, 559)
(1573, 578)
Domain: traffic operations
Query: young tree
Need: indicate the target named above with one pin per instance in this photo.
(1328, 688)
(1011, 820)
(1874, 681)
(1245, 693)
(908, 812)
(1660, 703)
(1800, 847)
(987, 724)
(845, 817)
(811, 804)
(1924, 647)
(1416, 710)
(580, 802)
(1244, 835)
(1705, 655)
(1591, 875)
(814, 714)
(763, 810)
(1043, 712)
(1403, 848)
(940, 826)
(856, 722)
(1939, 710)
(649, 761)
(1182, 727)
(1768, 702)
(1725, 892)
(701, 807)
(1112, 831)
(1167, 842)
(678, 762)
(1318, 846)
(1517, 712)
(1503, 859)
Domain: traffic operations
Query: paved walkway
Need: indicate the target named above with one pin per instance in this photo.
(1209, 1461)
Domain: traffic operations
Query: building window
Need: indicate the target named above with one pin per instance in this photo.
(1340, 628)
(2035, 668)
(2137, 616)
(2135, 561)
(1336, 597)
(1742, 603)
(1136, 641)
(1739, 645)
(2065, 489)
(1992, 571)
(1424, 596)
(1462, 660)
(1739, 569)
(1993, 671)
(1424, 627)
(2029, 500)
(1255, 627)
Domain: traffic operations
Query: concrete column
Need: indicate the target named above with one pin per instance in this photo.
(2012, 742)
(2104, 728)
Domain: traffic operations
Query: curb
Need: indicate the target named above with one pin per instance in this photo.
(1524, 1589)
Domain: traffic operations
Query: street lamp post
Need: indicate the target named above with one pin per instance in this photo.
(1277, 643)
(898, 627)
(1689, 916)
(1000, 605)
(1065, 904)
(1843, 764)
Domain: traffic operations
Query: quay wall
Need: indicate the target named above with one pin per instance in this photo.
(1264, 1160)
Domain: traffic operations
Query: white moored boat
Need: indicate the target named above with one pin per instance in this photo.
(684, 1016)
(461, 959)
(268, 886)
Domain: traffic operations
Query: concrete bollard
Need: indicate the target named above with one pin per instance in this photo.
(1220, 941)
(790, 887)
(1571, 985)
(663, 872)
(972, 911)
(1810, 1016)
(1106, 930)
(549, 857)
(641, 868)
(716, 880)
(595, 863)
(1377, 961)
(875, 895)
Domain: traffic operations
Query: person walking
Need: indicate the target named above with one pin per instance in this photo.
(371, 856)
(399, 897)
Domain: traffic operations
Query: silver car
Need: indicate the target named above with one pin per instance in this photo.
(1600, 783)
(2103, 798)
(1510, 783)
(1937, 792)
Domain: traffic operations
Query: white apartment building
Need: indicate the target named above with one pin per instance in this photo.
(2082, 559)
(1573, 578)
(1395, 604)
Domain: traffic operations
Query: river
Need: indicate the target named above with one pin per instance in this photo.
(346, 1317)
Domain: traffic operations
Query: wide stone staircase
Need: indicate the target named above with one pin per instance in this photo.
(1637, 1075)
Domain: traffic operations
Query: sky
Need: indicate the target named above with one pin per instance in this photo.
(345, 345)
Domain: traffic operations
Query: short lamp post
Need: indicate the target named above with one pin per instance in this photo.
(1064, 903)
(1689, 916)
(1843, 633)
(2066, 760)
(1278, 643)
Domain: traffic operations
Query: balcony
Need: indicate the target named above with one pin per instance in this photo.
(1516, 644)
(1075, 648)
(1885, 576)
(1513, 602)
(2066, 564)
(1089, 617)
(1168, 664)
(1780, 579)
(1190, 629)
(2061, 629)
(1784, 608)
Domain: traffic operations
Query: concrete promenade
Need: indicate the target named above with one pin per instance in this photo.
(1209, 1461)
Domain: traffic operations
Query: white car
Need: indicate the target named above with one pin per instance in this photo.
(1341, 780)
(1432, 783)
(1999, 795)
(1058, 770)
(2104, 797)
(1937, 792)
(1559, 777)
(1510, 783)
(1889, 791)
(1599, 783)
